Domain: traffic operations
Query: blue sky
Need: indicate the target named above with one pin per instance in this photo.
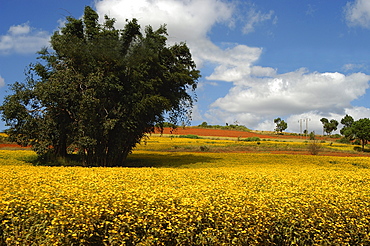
(259, 60)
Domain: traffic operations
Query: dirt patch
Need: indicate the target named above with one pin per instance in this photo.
(12, 146)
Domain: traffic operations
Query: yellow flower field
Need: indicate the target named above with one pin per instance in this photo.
(187, 198)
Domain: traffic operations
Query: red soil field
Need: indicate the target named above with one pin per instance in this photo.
(15, 146)
(226, 133)
(211, 132)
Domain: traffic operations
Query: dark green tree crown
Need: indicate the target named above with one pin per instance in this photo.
(100, 90)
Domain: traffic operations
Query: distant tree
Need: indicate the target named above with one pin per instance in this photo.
(329, 126)
(281, 125)
(100, 90)
(204, 124)
(361, 129)
(347, 130)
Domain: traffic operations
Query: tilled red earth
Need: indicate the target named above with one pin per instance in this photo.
(8, 146)
(224, 133)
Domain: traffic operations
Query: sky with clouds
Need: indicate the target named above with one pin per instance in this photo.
(259, 60)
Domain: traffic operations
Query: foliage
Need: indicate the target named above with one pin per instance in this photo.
(343, 140)
(197, 199)
(227, 127)
(312, 135)
(100, 90)
(347, 130)
(314, 147)
(189, 136)
(361, 129)
(281, 125)
(329, 126)
(251, 139)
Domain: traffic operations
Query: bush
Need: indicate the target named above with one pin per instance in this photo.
(204, 148)
(344, 140)
(189, 136)
(357, 148)
(227, 127)
(357, 142)
(251, 139)
(314, 147)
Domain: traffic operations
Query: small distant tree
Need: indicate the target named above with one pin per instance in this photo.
(361, 129)
(281, 125)
(204, 124)
(329, 126)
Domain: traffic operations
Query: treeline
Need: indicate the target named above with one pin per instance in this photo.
(226, 127)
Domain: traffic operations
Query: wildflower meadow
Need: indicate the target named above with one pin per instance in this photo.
(195, 197)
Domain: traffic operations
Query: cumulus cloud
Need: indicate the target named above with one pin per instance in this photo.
(187, 21)
(258, 94)
(23, 39)
(255, 101)
(294, 92)
(358, 13)
(2, 81)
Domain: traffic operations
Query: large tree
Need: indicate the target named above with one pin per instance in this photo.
(100, 90)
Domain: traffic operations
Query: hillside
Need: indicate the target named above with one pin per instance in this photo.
(233, 133)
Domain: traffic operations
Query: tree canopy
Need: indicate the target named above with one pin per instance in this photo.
(100, 90)
(361, 130)
(329, 126)
(281, 125)
(347, 130)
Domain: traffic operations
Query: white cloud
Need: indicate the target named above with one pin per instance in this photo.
(253, 100)
(196, 114)
(23, 39)
(187, 20)
(2, 81)
(351, 66)
(258, 94)
(294, 92)
(358, 13)
(254, 18)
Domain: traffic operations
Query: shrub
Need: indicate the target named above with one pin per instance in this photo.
(189, 136)
(357, 142)
(204, 148)
(344, 140)
(251, 139)
(314, 147)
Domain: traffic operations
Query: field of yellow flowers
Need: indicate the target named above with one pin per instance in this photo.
(187, 198)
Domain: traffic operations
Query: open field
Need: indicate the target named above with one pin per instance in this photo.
(183, 194)
(235, 134)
